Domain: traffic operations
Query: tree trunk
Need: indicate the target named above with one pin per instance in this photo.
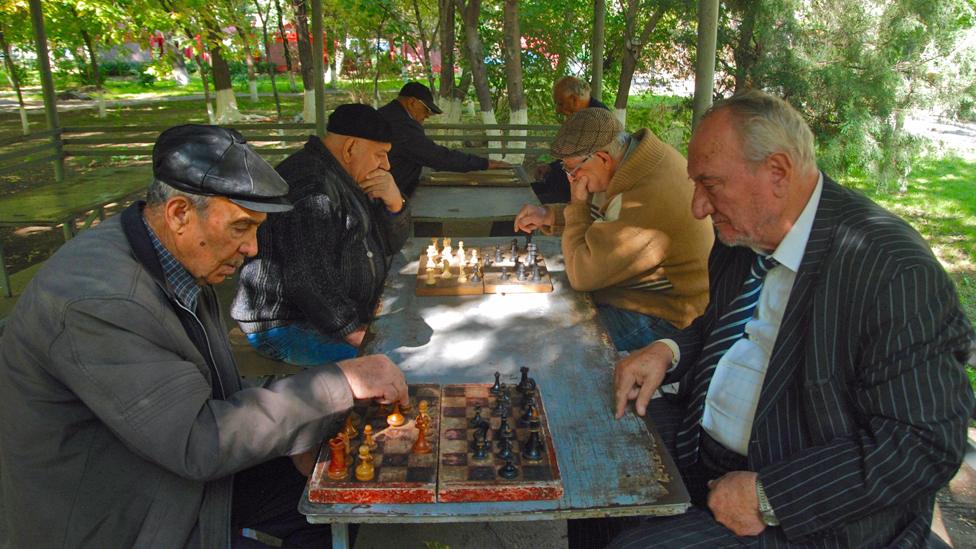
(744, 53)
(450, 102)
(518, 112)
(596, 48)
(476, 59)
(376, 64)
(424, 46)
(305, 57)
(200, 63)
(263, 17)
(93, 65)
(338, 57)
(14, 82)
(227, 111)
(252, 77)
(633, 45)
(285, 48)
(175, 56)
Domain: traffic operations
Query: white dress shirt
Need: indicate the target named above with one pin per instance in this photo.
(733, 394)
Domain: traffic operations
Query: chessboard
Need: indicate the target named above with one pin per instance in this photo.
(487, 443)
(486, 270)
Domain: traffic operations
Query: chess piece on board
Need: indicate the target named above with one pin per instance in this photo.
(462, 275)
(505, 430)
(508, 471)
(346, 441)
(365, 470)
(337, 459)
(480, 448)
(525, 382)
(497, 387)
(421, 446)
(477, 419)
(431, 281)
(446, 273)
(395, 419)
(422, 412)
(528, 415)
(349, 428)
(505, 448)
(532, 449)
(368, 437)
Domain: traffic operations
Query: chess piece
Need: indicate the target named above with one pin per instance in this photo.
(368, 437)
(498, 254)
(474, 276)
(461, 249)
(421, 446)
(480, 448)
(365, 471)
(462, 275)
(446, 272)
(505, 430)
(508, 471)
(528, 415)
(422, 412)
(474, 256)
(337, 459)
(505, 275)
(347, 441)
(523, 384)
(532, 449)
(505, 448)
(349, 428)
(521, 271)
(395, 419)
(496, 388)
(431, 281)
(536, 273)
(477, 419)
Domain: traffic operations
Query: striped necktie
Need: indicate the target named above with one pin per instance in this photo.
(729, 329)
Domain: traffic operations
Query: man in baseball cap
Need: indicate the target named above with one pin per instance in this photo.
(628, 234)
(412, 149)
(117, 382)
(312, 289)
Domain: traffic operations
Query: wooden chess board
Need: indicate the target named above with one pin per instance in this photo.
(496, 268)
(449, 473)
(400, 476)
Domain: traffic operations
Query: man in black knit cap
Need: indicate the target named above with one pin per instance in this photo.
(308, 295)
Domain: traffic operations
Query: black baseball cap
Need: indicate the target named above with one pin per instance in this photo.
(215, 161)
(421, 92)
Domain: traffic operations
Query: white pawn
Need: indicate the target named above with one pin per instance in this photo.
(474, 256)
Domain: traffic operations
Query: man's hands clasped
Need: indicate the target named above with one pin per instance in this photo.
(380, 184)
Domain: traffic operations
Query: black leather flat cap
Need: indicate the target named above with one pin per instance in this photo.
(215, 161)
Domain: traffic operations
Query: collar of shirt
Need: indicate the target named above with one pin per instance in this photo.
(790, 251)
(177, 277)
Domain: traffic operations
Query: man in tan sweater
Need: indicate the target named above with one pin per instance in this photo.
(628, 234)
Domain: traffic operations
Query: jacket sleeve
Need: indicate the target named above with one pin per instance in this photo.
(118, 358)
(427, 153)
(397, 227)
(313, 233)
(911, 401)
(603, 254)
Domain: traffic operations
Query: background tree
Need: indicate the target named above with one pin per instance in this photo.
(517, 110)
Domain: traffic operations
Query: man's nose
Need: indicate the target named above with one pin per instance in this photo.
(385, 162)
(250, 246)
(701, 206)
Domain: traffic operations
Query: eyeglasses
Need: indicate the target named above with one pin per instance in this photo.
(571, 172)
(427, 109)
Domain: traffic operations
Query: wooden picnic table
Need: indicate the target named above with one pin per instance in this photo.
(608, 467)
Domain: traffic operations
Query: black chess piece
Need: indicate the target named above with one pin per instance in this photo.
(505, 430)
(474, 276)
(527, 415)
(500, 407)
(532, 450)
(536, 273)
(508, 471)
(505, 448)
(529, 395)
(498, 254)
(496, 388)
(480, 449)
(525, 382)
(477, 419)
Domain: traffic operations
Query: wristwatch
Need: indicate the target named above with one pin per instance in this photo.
(765, 509)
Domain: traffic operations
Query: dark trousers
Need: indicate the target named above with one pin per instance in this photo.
(554, 187)
(266, 505)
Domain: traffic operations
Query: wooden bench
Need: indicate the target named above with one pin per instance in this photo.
(500, 139)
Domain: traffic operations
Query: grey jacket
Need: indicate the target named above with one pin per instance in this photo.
(123, 416)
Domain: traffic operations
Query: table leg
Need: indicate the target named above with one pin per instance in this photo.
(340, 535)
(5, 288)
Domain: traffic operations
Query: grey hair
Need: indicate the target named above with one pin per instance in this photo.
(572, 85)
(160, 192)
(768, 125)
(617, 147)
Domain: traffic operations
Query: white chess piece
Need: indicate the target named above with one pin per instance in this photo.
(446, 274)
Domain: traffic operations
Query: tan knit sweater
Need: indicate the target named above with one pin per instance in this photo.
(648, 253)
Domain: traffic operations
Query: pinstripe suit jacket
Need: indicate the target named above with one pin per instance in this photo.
(862, 415)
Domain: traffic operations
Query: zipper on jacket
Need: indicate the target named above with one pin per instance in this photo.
(206, 338)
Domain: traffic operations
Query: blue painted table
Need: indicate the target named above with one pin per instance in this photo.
(609, 467)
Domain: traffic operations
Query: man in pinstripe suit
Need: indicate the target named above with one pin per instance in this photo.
(843, 407)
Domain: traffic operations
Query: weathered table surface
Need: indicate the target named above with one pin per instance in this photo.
(609, 467)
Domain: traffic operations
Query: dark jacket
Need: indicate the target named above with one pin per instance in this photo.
(325, 261)
(412, 150)
(554, 186)
(124, 417)
(863, 411)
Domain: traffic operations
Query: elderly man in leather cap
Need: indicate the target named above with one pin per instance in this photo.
(308, 295)
(126, 423)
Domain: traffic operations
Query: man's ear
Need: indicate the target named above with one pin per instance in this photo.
(780, 166)
(347, 146)
(178, 212)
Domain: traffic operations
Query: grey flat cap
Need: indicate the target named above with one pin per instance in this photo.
(586, 131)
